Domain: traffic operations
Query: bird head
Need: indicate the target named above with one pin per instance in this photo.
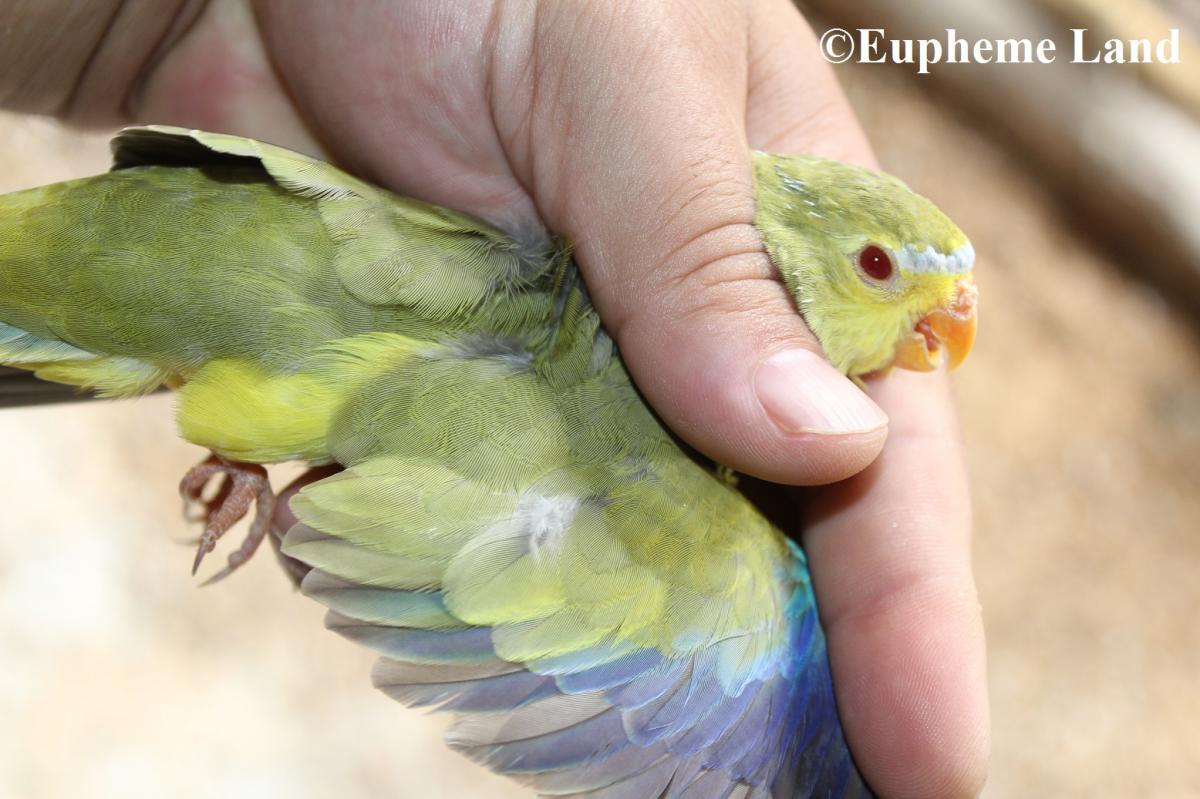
(882, 277)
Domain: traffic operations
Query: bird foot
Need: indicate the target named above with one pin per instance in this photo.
(241, 484)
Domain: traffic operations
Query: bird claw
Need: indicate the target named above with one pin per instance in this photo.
(241, 485)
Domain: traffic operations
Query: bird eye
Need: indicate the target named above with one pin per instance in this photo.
(875, 262)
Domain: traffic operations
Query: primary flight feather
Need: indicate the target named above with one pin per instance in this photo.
(514, 530)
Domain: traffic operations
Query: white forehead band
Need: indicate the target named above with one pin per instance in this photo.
(911, 259)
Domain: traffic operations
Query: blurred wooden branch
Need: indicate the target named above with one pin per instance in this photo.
(1125, 158)
(1141, 19)
(1187, 12)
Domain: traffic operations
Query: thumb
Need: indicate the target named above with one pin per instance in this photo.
(653, 182)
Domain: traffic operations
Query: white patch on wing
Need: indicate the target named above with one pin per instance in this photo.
(929, 259)
(545, 518)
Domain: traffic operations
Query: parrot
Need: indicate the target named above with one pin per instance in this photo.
(504, 520)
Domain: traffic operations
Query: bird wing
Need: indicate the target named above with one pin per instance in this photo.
(391, 250)
(201, 246)
(605, 615)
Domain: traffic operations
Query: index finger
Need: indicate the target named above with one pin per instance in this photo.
(889, 547)
(890, 553)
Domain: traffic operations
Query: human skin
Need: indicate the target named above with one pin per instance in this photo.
(627, 127)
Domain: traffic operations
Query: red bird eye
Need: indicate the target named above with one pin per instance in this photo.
(875, 262)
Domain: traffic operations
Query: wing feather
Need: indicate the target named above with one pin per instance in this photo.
(392, 250)
(602, 627)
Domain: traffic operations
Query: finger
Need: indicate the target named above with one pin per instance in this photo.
(652, 180)
(421, 125)
(889, 548)
(890, 555)
(794, 102)
(213, 73)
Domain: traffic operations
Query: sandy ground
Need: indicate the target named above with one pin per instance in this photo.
(1081, 406)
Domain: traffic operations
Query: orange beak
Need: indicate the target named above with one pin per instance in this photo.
(951, 329)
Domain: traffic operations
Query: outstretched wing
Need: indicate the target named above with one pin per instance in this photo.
(607, 618)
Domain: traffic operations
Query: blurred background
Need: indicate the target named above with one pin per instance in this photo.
(1080, 188)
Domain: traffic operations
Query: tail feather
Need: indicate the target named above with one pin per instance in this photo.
(18, 348)
(60, 362)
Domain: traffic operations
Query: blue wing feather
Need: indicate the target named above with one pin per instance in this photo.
(640, 722)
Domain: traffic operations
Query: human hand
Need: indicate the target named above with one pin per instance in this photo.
(628, 128)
